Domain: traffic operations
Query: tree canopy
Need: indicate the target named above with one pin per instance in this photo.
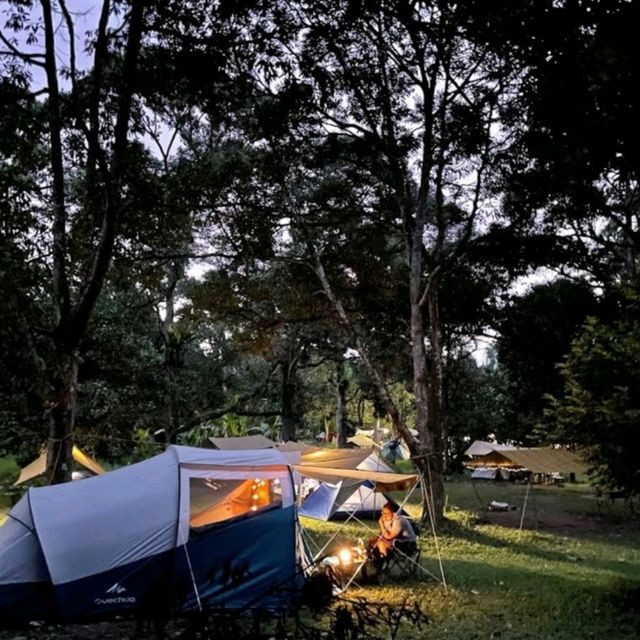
(305, 216)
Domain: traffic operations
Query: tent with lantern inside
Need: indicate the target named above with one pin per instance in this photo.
(187, 530)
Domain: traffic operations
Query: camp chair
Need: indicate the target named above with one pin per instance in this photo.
(404, 559)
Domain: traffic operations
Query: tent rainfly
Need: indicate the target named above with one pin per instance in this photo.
(190, 529)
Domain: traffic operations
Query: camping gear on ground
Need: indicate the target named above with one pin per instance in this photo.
(187, 530)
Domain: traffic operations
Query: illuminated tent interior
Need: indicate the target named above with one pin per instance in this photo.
(213, 500)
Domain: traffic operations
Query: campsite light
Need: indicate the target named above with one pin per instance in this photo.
(345, 556)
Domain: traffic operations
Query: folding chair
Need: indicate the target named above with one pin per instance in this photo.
(404, 559)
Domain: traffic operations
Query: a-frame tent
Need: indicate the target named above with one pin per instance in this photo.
(337, 496)
(39, 466)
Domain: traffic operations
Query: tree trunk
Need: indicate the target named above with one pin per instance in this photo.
(61, 405)
(71, 320)
(424, 459)
(434, 410)
(172, 354)
(288, 403)
(341, 406)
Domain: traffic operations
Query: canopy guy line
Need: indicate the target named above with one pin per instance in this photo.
(430, 509)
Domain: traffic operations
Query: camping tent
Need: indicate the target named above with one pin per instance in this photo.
(39, 466)
(186, 530)
(481, 448)
(337, 497)
(539, 460)
(490, 473)
(344, 493)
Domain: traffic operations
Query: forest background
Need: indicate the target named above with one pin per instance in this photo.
(300, 218)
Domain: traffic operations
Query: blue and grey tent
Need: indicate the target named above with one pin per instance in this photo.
(188, 530)
(346, 493)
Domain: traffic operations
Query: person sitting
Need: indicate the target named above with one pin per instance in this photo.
(394, 529)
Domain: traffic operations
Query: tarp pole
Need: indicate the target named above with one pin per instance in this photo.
(475, 489)
(193, 577)
(524, 506)
(430, 509)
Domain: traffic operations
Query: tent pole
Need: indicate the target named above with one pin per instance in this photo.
(475, 489)
(431, 510)
(334, 536)
(524, 506)
(193, 577)
(535, 509)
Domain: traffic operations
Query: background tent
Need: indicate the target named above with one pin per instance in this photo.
(395, 449)
(39, 466)
(345, 492)
(540, 460)
(337, 495)
(482, 448)
(189, 528)
(241, 443)
(490, 473)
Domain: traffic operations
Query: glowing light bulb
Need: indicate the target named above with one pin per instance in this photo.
(345, 556)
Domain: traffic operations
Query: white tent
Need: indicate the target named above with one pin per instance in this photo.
(336, 496)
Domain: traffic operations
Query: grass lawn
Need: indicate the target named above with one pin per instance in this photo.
(576, 576)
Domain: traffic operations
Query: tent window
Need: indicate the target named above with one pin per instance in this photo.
(212, 500)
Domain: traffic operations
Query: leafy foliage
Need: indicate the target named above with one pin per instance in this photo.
(535, 333)
(600, 407)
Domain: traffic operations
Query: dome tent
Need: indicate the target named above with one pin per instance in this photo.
(188, 529)
(339, 498)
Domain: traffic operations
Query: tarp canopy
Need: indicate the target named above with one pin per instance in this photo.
(39, 466)
(363, 441)
(545, 460)
(382, 481)
(491, 459)
(296, 446)
(337, 458)
(242, 443)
